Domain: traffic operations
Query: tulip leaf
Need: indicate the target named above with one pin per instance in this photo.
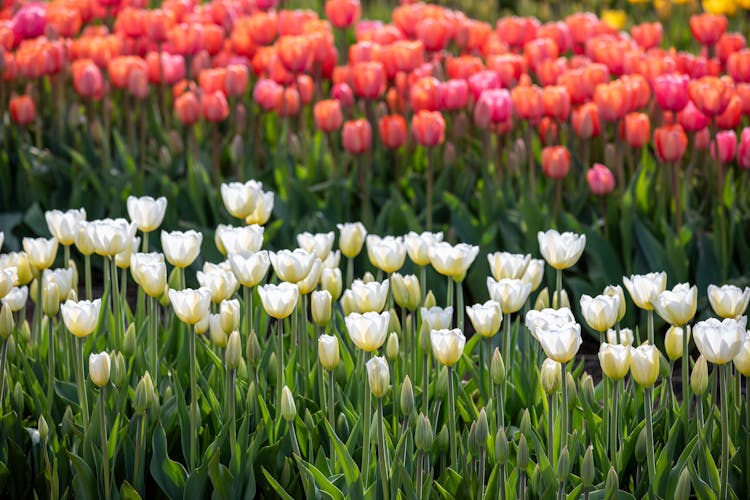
(703, 491)
(321, 480)
(168, 474)
(275, 485)
(127, 492)
(84, 482)
(351, 471)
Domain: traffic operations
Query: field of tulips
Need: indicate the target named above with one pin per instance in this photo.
(262, 346)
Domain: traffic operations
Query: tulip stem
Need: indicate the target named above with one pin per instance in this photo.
(50, 365)
(66, 256)
(676, 196)
(460, 304)
(366, 425)
(564, 429)
(38, 308)
(3, 359)
(193, 404)
(116, 303)
(331, 410)
(87, 276)
(686, 389)
(452, 419)
(349, 272)
(550, 430)
(138, 466)
(381, 451)
(428, 190)
(724, 374)
(481, 472)
(420, 474)
(650, 315)
(613, 425)
(105, 453)
(557, 299)
(78, 366)
(425, 383)
(231, 409)
(500, 406)
(247, 298)
(648, 407)
(152, 340)
(507, 346)
(747, 435)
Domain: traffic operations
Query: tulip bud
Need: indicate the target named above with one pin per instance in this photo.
(6, 321)
(72, 295)
(24, 333)
(229, 315)
(443, 440)
(501, 447)
(522, 458)
(563, 465)
(128, 343)
(50, 299)
(525, 425)
(441, 389)
(34, 291)
(271, 370)
(682, 491)
(536, 478)
(665, 368)
(368, 278)
(429, 300)
(612, 485)
(699, 376)
(288, 408)
(551, 376)
(471, 440)
(331, 280)
(143, 394)
(119, 372)
(640, 446)
(233, 353)
(342, 425)
(378, 376)
(11, 348)
(483, 429)
(587, 469)
(18, 398)
(320, 305)
(587, 387)
(66, 427)
(394, 325)
(497, 367)
(391, 347)
(542, 300)
(216, 332)
(565, 300)
(572, 390)
(407, 397)
(673, 342)
(99, 368)
(423, 436)
(43, 428)
(252, 349)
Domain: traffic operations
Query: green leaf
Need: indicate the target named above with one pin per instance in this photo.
(320, 479)
(351, 471)
(221, 478)
(127, 492)
(84, 483)
(276, 486)
(168, 474)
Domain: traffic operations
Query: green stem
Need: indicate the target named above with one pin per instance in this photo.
(78, 367)
(381, 451)
(648, 407)
(116, 303)
(349, 272)
(139, 449)
(87, 272)
(460, 304)
(452, 419)
(500, 406)
(501, 484)
(331, 410)
(686, 389)
(152, 340)
(564, 416)
(481, 472)
(420, 474)
(557, 299)
(366, 426)
(507, 347)
(550, 430)
(193, 404)
(428, 190)
(248, 311)
(483, 369)
(449, 292)
(231, 409)
(105, 453)
(295, 443)
(650, 315)
(747, 435)
(66, 256)
(38, 308)
(724, 374)
(3, 360)
(279, 361)
(522, 486)
(426, 383)
(613, 425)
(50, 366)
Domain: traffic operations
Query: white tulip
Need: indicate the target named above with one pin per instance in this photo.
(63, 225)
(644, 289)
(147, 213)
(561, 251)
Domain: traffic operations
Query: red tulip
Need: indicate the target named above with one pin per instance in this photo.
(671, 91)
(424, 94)
(428, 128)
(29, 21)
(726, 140)
(463, 67)
(728, 44)
(647, 35)
(289, 103)
(585, 121)
(22, 110)
(708, 28)
(215, 106)
(368, 79)
(636, 129)
(328, 115)
(612, 100)
(516, 31)
(743, 92)
(294, 52)
(357, 136)
(600, 180)
(738, 66)
(188, 108)
(453, 95)
(392, 130)
(670, 142)
(555, 161)
(343, 13)
(434, 33)
(528, 102)
(731, 116)
(212, 80)
(711, 94)
(556, 102)
(743, 151)
(343, 93)
(692, 119)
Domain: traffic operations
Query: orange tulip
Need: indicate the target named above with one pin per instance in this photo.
(636, 129)
(670, 142)
(22, 110)
(556, 102)
(424, 94)
(463, 66)
(585, 121)
(215, 106)
(294, 52)
(356, 136)
(328, 115)
(87, 79)
(428, 128)
(392, 130)
(368, 79)
(236, 80)
(188, 108)
(711, 95)
(708, 28)
(611, 100)
(343, 13)
(647, 35)
(528, 102)
(555, 162)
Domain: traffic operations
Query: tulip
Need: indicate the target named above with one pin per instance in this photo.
(406, 291)
(81, 318)
(378, 376)
(343, 13)
(292, 266)
(393, 131)
(357, 136)
(677, 307)
(561, 251)
(534, 273)
(391, 345)
(328, 351)
(636, 129)
(220, 282)
(20, 261)
(711, 94)
(508, 265)
(181, 248)
(190, 306)
(600, 179)
(492, 107)
(62, 279)
(280, 300)
(41, 252)
(8, 279)
(387, 254)
(671, 91)
(437, 318)
(452, 261)
(63, 225)
(99, 368)
(418, 246)
(644, 368)
(328, 115)
(318, 244)
(240, 198)
(719, 341)
(560, 343)
(351, 237)
(585, 121)
(263, 209)
(187, 108)
(644, 289)
(511, 294)
(600, 312)
(428, 128)
(485, 318)
(728, 301)
(368, 331)
(555, 162)
(250, 268)
(670, 142)
(723, 147)
(22, 110)
(369, 296)
(16, 298)
(330, 280)
(742, 358)
(320, 307)
(707, 28)
(244, 239)
(550, 375)
(310, 282)
(626, 336)
(615, 360)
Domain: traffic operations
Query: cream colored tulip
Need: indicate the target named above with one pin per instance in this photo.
(437, 318)
(351, 238)
(263, 209)
(616, 291)
(378, 376)
(453, 261)
(677, 306)
(240, 199)
(149, 272)
(191, 306)
(320, 306)
(719, 341)
(369, 296)
(16, 298)
(64, 225)
(447, 345)
(673, 341)
(534, 273)
(550, 376)
(41, 252)
(615, 360)
(99, 368)
(20, 261)
(328, 352)
(250, 268)
(181, 248)
(368, 331)
(279, 300)
(387, 254)
(147, 213)
(60, 278)
(728, 301)
(230, 240)
(600, 312)
(644, 364)
(418, 246)
(221, 283)
(292, 266)
(331, 280)
(561, 251)
(742, 358)
(406, 290)
(508, 265)
(81, 318)
(110, 236)
(310, 283)
(626, 336)
(560, 343)
(510, 294)
(548, 319)
(8, 280)
(644, 289)
(486, 318)
(319, 244)
(122, 259)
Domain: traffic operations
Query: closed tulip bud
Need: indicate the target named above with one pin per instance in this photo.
(587, 389)
(328, 351)
(497, 367)
(501, 447)
(673, 341)
(99, 368)
(551, 376)
(644, 365)
(12, 348)
(6, 322)
(50, 299)
(612, 485)
(682, 491)
(424, 337)
(406, 291)
(482, 429)
(394, 324)
(525, 426)
(24, 333)
(252, 349)
(423, 436)
(378, 376)
(18, 399)
(572, 389)
(522, 457)
(542, 300)
(233, 353)
(331, 280)
(616, 291)
(129, 342)
(43, 428)
(406, 399)
(391, 347)
(143, 394)
(429, 300)
(119, 371)
(699, 376)
(288, 408)
(441, 387)
(321, 307)
(471, 440)
(351, 238)
(563, 465)
(587, 469)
